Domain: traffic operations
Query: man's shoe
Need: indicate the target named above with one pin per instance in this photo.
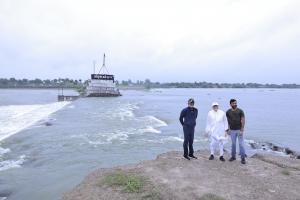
(232, 159)
(192, 156)
(211, 157)
(186, 157)
(222, 159)
(243, 161)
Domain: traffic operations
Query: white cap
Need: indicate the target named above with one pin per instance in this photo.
(214, 104)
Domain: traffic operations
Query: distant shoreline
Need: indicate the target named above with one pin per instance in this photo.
(39, 88)
(146, 84)
(143, 88)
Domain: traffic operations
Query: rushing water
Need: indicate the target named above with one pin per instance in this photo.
(47, 147)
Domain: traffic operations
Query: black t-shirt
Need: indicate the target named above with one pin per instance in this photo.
(234, 118)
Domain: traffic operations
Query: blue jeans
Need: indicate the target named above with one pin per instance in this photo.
(188, 140)
(234, 134)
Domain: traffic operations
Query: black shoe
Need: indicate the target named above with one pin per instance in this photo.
(211, 157)
(232, 159)
(192, 156)
(243, 161)
(186, 157)
(222, 159)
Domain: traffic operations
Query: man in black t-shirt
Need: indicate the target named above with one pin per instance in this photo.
(236, 121)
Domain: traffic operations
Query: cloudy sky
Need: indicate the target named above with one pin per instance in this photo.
(164, 40)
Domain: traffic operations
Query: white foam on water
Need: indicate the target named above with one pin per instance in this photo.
(95, 143)
(146, 125)
(200, 140)
(3, 151)
(165, 140)
(124, 111)
(179, 139)
(122, 136)
(71, 106)
(148, 129)
(103, 137)
(172, 139)
(153, 141)
(123, 114)
(79, 136)
(142, 125)
(151, 120)
(9, 164)
(15, 118)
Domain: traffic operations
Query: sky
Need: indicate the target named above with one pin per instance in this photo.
(163, 40)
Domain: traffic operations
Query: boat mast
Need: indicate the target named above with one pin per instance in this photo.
(103, 65)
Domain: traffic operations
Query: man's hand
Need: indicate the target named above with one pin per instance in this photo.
(227, 132)
(242, 131)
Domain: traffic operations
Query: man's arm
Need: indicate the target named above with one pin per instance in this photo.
(208, 124)
(182, 114)
(243, 124)
(225, 121)
(227, 118)
(243, 121)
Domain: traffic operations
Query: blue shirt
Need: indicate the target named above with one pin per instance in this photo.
(188, 116)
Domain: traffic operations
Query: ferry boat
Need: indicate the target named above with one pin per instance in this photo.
(102, 84)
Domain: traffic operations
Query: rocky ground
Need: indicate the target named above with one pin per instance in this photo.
(172, 177)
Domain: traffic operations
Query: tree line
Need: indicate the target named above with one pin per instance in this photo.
(73, 83)
(148, 84)
(38, 83)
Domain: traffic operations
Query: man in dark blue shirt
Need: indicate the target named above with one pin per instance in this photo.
(187, 119)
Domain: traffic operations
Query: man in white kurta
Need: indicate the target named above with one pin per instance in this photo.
(216, 128)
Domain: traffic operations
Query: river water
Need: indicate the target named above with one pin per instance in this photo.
(47, 147)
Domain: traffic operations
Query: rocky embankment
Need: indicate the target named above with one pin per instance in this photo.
(270, 147)
(170, 176)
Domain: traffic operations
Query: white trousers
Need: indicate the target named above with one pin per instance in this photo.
(213, 142)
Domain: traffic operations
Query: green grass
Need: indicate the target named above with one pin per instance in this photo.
(131, 183)
(286, 172)
(210, 196)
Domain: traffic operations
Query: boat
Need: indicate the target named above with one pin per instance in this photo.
(102, 84)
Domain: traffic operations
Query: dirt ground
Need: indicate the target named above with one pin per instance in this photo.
(172, 177)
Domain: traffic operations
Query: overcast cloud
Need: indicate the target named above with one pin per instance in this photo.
(164, 40)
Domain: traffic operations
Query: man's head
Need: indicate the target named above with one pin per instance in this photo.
(233, 103)
(191, 102)
(215, 106)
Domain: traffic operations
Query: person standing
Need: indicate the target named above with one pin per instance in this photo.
(187, 119)
(216, 128)
(236, 121)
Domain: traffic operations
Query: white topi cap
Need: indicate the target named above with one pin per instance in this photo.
(215, 104)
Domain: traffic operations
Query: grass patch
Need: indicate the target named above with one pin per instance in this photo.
(210, 196)
(131, 183)
(286, 172)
